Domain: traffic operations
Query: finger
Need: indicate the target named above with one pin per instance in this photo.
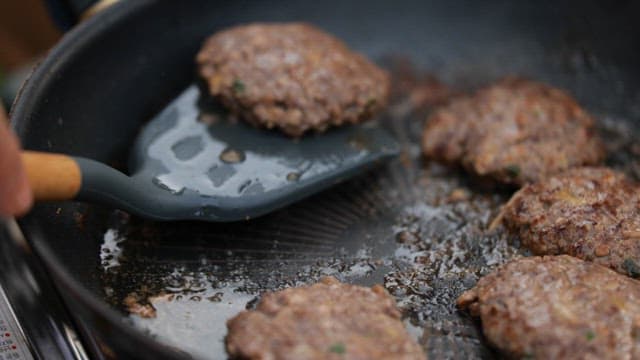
(15, 195)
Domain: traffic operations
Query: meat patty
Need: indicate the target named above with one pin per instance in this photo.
(592, 213)
(558, 307)
(515, 131)
(327, 320)
(291, 76)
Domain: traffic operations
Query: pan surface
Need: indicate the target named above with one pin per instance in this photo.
(416, 227)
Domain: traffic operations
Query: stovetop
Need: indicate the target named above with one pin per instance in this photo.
(34, 323)
(13, 344)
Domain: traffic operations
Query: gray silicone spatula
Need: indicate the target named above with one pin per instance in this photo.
(187, 164)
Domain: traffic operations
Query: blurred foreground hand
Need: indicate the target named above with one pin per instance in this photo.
(15, 195)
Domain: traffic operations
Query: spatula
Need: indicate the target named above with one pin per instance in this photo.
(189, 163)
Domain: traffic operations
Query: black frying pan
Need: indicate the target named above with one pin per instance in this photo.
(109, 75)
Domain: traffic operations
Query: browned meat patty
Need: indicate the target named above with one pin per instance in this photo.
(590, 213)
(558, 307)
(515, 131)
(327, 320)
(291, 76)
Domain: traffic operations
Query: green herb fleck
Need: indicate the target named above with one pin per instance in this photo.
(238, 86)
(370, 104)
(590, 335)
(538, 112)
(631, 267)
(512, 170)
(338, 348)
(528, 356)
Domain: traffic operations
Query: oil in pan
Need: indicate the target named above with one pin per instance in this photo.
(418, 228)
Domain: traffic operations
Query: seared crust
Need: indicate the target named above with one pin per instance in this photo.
(590, 213)
(558, 307)
(291, 76)
(515, 131)
(327, 320)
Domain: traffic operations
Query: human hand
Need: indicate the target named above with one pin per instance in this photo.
(15, 194)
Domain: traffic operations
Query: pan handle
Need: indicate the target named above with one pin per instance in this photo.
(67, 13)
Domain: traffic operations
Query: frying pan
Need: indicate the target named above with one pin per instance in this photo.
(400, 225)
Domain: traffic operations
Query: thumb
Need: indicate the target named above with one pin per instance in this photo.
(15, 195)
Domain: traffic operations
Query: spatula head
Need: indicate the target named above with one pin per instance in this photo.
(218, 169)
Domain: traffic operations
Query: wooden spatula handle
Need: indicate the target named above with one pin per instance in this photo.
(52, 176)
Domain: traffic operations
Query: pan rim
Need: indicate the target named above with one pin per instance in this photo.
(20, 119)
